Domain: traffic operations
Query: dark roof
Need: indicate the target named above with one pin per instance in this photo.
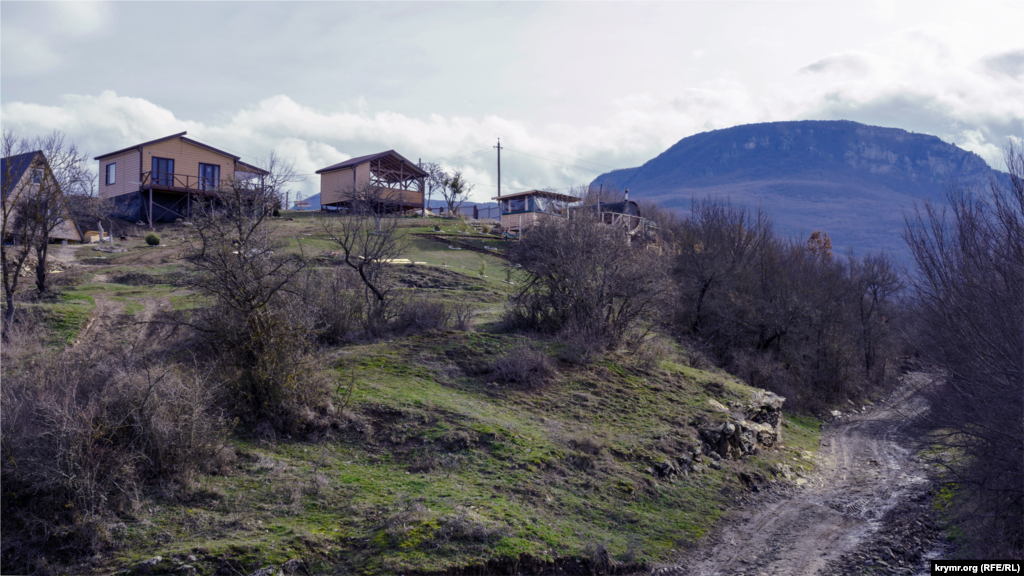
(624, 207)
(102, 156)
(13, 167)
(394, 160)
(554, 195)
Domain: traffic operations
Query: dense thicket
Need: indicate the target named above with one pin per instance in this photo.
(586, 281)
(783, 314)
(969, 293)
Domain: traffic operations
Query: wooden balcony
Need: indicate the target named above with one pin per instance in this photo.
(181, 183)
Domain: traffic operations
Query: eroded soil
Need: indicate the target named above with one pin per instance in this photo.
(869, 488)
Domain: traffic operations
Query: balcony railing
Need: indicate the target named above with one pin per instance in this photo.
(182, 182)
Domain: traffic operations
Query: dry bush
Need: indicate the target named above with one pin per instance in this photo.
(330, 304)
(25, 338)
(524, 367)
(646, 353)
(462, 315)
(84, 432)
(584, 277)
(581, 347)
(421, 315)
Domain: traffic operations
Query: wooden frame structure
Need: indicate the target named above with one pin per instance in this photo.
(523, 209)
(398, 182)
(158, 180)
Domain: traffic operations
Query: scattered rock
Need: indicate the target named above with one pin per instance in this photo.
(147, 566)
(268, 571)
(292, 566)
(756, 424)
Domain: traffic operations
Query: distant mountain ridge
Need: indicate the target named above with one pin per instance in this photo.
(848, 179)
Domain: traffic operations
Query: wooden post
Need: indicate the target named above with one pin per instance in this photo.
(151, 208)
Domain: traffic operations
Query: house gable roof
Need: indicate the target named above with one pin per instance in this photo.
(109, 154)
(392, 157)
(13, 168)
(545, 193)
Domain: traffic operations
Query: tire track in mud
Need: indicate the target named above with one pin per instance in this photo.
(864, 469)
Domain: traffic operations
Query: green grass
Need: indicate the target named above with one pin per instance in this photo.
(432, 465)
(66, 318)
(437, 468)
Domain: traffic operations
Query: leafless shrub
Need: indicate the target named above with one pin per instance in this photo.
(83, 432)
(421, 315)
(368, 242)
(585, 277)
(462, 315)
(259, 333)
(331, 303)
(581, 347)
(586, 444)
(467, 528)
(646, 353)
(524, 367)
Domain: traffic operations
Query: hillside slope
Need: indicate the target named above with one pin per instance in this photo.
(851, 180)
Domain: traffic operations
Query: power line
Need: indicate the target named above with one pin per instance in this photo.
(584, 168)
(571, 157)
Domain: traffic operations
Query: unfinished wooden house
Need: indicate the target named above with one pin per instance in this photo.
(523, 209)
(158, 181)
(27, 178)
(387, 180)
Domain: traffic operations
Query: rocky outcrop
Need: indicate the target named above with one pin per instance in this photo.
(749, 427)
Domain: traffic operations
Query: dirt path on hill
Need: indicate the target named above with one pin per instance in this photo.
(866, 477)
(109, 323)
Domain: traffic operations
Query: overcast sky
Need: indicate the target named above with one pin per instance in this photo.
(572, 89)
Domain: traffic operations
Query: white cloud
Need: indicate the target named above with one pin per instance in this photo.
(36, 35)
(914, 80)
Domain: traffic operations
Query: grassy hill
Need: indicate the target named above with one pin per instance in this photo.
(431, 463)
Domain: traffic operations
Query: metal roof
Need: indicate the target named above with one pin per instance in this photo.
(554, 195)
(13, 167)
(394, 159)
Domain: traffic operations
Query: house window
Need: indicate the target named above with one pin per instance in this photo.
(111, 172)
(163, 171)
(209, 176)
(37, 176)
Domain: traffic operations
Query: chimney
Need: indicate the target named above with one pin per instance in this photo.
(627, 194)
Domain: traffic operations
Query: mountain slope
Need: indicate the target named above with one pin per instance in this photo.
(851, 180)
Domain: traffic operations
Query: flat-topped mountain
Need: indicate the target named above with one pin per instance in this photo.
(850, 180)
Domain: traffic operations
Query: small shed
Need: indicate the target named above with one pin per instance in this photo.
(92, 236)
(523, 209)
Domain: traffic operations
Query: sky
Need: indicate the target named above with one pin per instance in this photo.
(573, 89)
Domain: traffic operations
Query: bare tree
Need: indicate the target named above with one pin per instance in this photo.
(242, 267)
(435, 179)
(67, 176)
(368, 243)
(455, 190)
(17, 233)
(969, 291)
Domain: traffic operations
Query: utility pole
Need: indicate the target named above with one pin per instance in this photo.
(499, 166)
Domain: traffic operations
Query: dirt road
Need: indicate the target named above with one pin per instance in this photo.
(865, 470)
